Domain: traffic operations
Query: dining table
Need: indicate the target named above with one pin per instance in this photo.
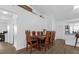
(39, 39)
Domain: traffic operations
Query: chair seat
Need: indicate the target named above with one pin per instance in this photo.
(33, 42)
(32, 45)
(42, 41)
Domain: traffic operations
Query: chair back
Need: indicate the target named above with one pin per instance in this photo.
(52, 36)
(38, 33)
(41, 33)
(33, 33)
(47, 36)
(28, 36)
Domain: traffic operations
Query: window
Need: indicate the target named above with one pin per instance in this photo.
(72, 28)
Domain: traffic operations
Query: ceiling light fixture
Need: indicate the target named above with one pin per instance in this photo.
(5, 12)
(76, 7)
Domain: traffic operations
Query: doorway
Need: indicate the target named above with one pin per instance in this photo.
(8, 25)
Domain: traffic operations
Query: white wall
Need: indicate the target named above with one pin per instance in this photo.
(28, 21)
(60, 31)
(2, 26)
(9, 35)
(25, 21)
(50, 22)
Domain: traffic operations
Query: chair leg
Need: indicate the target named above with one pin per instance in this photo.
(49, 46)
(38, 45)
(26, 48)
(45, 49)
(40, 48)
(30, 49)
(76, 42)
(51, 43)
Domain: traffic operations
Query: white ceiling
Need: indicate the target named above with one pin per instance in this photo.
(60, 12)
(5, 16)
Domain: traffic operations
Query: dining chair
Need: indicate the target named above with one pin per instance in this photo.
(52, 38)
(39, 34)
(33, 33)
(31, 43)
(45, 40)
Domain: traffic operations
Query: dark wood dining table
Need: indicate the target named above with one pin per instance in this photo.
(38, 39)
(42, 37)
(34, 38)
